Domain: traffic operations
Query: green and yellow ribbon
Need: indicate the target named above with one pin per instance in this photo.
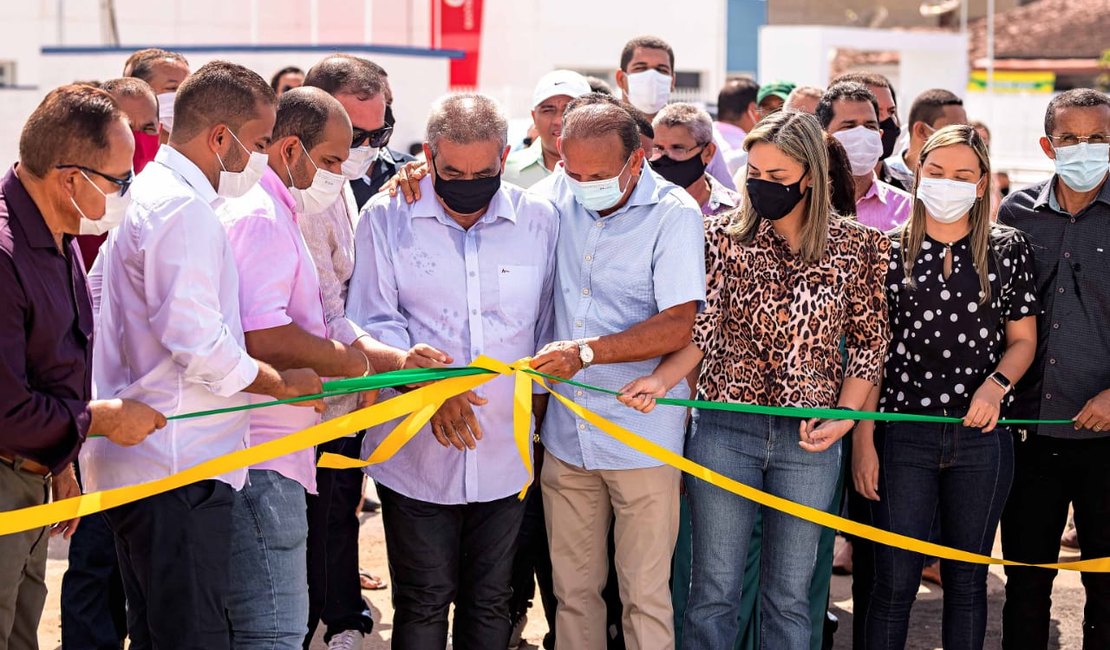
(418, 406)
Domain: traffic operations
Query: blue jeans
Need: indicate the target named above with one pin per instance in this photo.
(762, 452)
(268, 602)
(959, 477)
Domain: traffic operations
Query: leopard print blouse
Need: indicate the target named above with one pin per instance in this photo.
(772, 326)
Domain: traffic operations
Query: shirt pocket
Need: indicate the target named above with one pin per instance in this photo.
(519, 288)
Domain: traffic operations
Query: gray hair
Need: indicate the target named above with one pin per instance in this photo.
(464, 118)
(813, 92)
(597, 120)
(696, 121)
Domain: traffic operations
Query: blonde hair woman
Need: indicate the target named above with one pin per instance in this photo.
(788, 279)
(962, 309)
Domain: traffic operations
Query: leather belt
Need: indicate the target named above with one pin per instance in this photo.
(24, 464)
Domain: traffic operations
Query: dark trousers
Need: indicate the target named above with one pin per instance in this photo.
(532, 563)
(94, 610)
(1051, 473)
(334, 590)
(175, 554)
(927, 472)
(444, 554)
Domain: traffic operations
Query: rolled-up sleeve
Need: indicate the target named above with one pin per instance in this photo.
(183, 303)
(372, 301)
(678, 260)
(867, 332)
(44, 427)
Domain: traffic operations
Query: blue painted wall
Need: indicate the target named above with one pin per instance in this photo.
(744, 17)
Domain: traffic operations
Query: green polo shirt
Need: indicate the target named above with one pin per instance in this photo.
(525, 167)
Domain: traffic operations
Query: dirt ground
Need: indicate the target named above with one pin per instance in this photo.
(1067, 610)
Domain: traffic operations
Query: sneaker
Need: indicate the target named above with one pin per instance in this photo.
(518, 631)
(346, 640)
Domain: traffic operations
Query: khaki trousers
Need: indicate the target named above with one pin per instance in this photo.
(579, 504)
(22, 562)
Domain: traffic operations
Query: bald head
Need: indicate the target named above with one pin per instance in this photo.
(305, 113)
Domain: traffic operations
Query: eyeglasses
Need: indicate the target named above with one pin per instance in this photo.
(677, 152)
(1069, 140)
(122, 183)
(377, 138)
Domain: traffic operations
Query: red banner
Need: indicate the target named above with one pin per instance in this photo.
(457, 25)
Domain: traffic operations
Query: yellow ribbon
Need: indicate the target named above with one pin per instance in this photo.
(418, 402)
(522, 419)
(667, 457)
(418, 406)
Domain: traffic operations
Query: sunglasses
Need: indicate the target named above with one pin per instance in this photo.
(377, 138)
(122, 183)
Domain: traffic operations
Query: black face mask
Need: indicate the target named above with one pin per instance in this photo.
(891, 131)
(466, 196)
(771, 200)
(682, 173)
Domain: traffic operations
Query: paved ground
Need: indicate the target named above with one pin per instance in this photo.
(925, 623)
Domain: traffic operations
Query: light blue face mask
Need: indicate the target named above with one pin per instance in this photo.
(599, 195)
(1082, 166)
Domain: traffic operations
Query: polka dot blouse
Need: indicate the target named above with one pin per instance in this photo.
(945, 341)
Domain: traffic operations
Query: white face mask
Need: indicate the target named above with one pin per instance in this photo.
(235, 184)
(649, 90)
(598, 195)
(115, 208)
(864, 147)
(359, 161)
(321, 194)
(165, 109)
(1082, 166)
(947, 200)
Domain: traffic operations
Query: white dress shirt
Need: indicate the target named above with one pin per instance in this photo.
(169, 331)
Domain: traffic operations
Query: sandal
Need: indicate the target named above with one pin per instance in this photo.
(370, 582)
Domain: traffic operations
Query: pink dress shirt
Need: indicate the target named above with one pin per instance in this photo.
(884, 207)
(277, 286)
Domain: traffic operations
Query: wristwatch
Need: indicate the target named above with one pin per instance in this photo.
(1002, 380)
(585, 353)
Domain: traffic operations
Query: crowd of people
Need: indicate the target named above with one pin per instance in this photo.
(178, 241)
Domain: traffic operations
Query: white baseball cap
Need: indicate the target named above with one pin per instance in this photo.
(560, 82)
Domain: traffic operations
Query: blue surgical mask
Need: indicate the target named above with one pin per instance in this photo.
(598, 195)
(1082, 166)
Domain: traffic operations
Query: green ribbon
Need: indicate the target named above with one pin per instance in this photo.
(421, 375)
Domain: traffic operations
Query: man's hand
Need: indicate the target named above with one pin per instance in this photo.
(640, 394)
(425, 356)
(124, 421)
(819, 435)
(299, 382)
(558, 359)
(65, 486)
(407, 181)
(454, 423)
(1095, 414)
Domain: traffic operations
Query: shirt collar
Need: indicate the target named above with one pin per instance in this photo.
(898, 168)
(874, 191)
(428, 206)
(276, 188)
(730, 131)
(1047, 197)
(649, 190)
(719, 195)
(22, 208)
(188, 170)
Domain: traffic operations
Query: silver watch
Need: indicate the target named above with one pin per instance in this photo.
(585, 353)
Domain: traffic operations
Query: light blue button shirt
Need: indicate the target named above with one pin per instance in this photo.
(612, 273)
(420, 278)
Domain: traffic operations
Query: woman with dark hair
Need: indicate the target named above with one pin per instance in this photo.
(962, 308)
(842, 189)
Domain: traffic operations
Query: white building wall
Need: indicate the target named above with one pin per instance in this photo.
(522, 39)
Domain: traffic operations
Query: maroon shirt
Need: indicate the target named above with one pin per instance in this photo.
(46, 327)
